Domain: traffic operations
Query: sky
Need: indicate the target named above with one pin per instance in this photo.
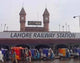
(61, 14)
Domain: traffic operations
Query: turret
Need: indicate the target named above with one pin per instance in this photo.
(46, 20)
(22, 19)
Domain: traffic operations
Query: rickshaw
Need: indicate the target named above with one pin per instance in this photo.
(5, 53)
(76, 52)
(19, 52)
(48, 54)
(64, 53)
(51, 54)
(45, 53)
(35, 54)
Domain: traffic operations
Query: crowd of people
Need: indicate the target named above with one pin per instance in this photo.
(12, 55)
(25, 54)
(43, 53)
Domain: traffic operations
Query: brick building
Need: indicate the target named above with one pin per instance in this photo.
(36, 36)
(34, 29)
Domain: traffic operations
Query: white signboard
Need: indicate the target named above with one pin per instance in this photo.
(39, 35)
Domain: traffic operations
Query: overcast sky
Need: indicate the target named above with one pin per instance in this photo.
(61, 13)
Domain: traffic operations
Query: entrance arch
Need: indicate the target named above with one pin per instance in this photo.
(23, 45)
(4, 46)
(61, 46)
(76, 46)
(42, 46)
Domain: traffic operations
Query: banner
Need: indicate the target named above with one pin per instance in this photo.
(39, 35)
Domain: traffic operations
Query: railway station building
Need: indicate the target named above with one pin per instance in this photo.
(35, 37)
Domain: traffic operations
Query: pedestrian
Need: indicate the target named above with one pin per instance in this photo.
(35, 54)
(14, 59)
(10, 56)
(1, 56)
(28, 55)
(38, 55)
(51, 53)
(41, 53)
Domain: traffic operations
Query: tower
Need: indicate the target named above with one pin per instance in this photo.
(46, 20)
(22, 19)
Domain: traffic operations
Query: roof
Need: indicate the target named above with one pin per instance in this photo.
(22, 12)
(46, 12)
(34, 29)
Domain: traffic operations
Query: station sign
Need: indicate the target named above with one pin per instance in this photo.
(34, 23)
(39, 35)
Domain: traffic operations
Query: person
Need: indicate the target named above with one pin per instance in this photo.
(38, 55)
(50, 54)
(14, 59)
(35, 54)
(28, 55)
(41, 53)
(67, 53)
(1, 56)
(10, 56)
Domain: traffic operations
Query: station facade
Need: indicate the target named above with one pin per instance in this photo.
(39, 36)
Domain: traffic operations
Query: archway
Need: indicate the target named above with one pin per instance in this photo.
(42, 46)
(61, 46)
(23, 45)
(4, 46)
(76, 46)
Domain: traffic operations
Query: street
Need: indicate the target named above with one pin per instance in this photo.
(77, 60)
(59, 61)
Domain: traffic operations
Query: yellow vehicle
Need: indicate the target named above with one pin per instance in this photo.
(62, 52)
(19, 52)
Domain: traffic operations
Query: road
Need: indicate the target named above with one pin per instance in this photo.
(59, 61)
(55, 61)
